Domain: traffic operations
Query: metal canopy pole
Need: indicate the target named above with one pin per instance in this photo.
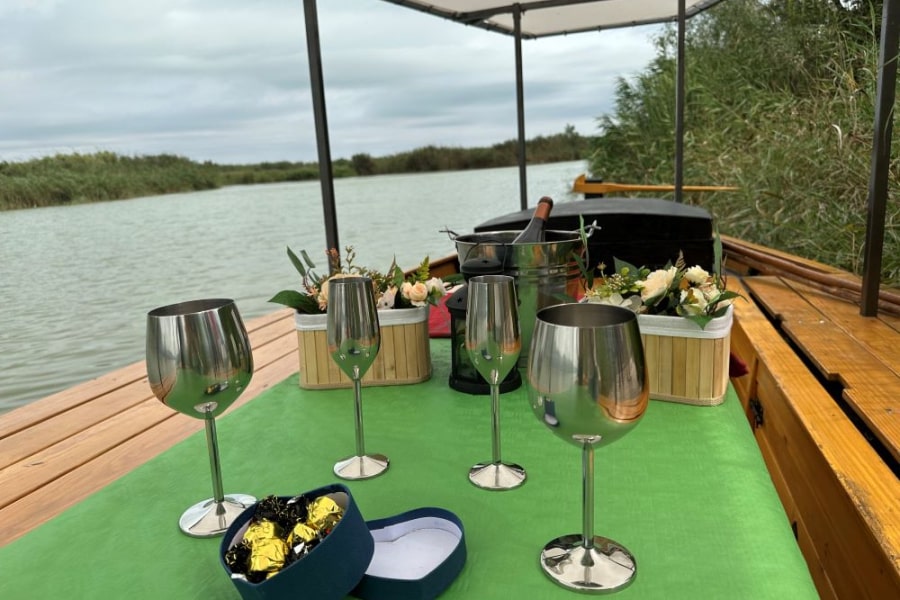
(881, 157)
(317, 86)
(520, 106)
(679, 106)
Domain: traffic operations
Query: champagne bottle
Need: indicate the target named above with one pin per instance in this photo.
(534, 231)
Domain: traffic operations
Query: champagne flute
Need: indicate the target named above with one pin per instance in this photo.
(587, 383)
(494, 343)
(354, 338)
(198, 363)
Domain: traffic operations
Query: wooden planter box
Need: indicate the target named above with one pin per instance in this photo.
(404, 356)
(685, 363)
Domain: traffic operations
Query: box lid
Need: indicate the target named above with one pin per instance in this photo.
(417, 555)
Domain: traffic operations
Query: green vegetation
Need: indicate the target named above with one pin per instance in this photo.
(780, 102)
(78, 178)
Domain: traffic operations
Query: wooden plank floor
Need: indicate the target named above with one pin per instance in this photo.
(58, 450)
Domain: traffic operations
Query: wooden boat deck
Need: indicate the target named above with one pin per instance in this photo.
(822, 393)
(59, 450)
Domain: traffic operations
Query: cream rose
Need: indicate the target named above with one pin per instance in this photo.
(696, 275)
(416, 293)
(657, 282)
(322, 297)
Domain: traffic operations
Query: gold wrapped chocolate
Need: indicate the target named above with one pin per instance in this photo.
(324, 513)
(262, 530)
(268, 556)
(302, 533)
(280, 532)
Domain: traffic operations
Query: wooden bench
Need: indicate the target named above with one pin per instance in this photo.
(823, 394)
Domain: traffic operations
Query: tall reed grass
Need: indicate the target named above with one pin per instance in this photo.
(779, 102)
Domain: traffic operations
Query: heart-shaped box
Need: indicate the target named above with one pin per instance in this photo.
(328, 572)
(417, 555)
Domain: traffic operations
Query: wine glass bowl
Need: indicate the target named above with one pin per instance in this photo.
(199, 361)
(353, 336)
(494, 343)
(587, 383)
(590, 378)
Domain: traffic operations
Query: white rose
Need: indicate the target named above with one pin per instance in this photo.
(657, 282)
(693, 304)
(632, 303)
(696, 275)
(435, 287)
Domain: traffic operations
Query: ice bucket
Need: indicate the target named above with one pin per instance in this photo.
(546, 272)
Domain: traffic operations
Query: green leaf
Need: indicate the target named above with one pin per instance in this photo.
(292, 298)
(621, 265)
(586, 274)
(298, 264)
(701, 320)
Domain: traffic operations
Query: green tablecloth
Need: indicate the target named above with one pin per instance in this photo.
(687, 492)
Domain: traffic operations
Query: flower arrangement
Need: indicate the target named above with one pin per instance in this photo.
(393, 288)
(689, 292)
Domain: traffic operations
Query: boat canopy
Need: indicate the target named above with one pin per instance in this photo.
(541, 18)
(544, 18)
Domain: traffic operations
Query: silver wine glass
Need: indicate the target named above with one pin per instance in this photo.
(198, 363)
(354, 338)
(494, 343)
(587, 383)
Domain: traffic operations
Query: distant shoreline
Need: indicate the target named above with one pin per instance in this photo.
(66, 179)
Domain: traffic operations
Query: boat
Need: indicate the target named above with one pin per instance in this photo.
(817, 389)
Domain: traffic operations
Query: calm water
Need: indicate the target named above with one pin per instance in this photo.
(76, 282)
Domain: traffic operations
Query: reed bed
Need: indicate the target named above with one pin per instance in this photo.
(780, 103)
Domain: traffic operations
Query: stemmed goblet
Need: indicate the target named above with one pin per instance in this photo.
(494, 343)
(198, 363)
(354, 338)
(587, 383)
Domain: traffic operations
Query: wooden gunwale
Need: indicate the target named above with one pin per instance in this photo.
(823, 397)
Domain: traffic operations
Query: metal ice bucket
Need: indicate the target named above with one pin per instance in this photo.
(546, 272)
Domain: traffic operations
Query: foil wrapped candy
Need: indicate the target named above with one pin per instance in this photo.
(280, 533)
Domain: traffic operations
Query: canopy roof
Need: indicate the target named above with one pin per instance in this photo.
(541, 18)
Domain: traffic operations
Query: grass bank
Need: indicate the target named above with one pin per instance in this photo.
(80, 178)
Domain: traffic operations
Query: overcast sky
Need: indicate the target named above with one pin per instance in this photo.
(228, 80)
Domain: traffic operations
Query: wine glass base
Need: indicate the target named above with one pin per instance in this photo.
(607, 567)
(362, 467)
(210, 518)
(497, 476)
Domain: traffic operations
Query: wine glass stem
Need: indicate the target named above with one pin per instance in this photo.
(360, 441)
(215, 464)
(587, 494)
(495, 422)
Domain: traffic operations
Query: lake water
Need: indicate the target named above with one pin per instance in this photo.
(76, 282)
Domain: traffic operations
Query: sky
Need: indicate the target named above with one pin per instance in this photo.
(228, 80)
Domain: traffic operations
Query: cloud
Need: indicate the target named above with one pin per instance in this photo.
(228, 80)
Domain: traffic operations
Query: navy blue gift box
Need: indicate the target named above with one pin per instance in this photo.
(415, 555)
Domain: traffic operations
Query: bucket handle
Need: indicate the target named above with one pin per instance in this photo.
(588, 231)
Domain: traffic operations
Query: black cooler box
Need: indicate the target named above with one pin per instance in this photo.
(642, 231)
